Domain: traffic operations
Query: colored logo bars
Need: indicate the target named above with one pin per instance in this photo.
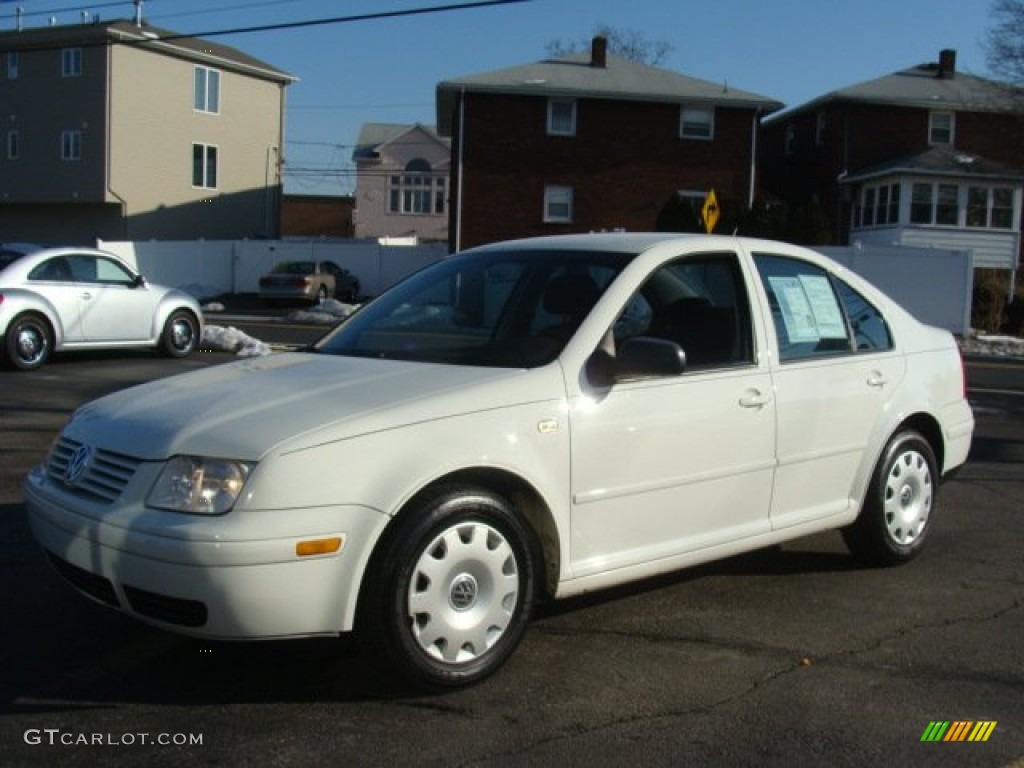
(958, 730)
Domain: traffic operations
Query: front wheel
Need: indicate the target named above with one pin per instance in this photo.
(449, 596)
(180, 336)
(898, 512)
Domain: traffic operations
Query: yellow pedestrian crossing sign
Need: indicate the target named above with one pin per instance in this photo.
(709, 212)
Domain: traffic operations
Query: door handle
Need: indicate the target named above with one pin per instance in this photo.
(876, 379)
(86, 296)
(755, 399)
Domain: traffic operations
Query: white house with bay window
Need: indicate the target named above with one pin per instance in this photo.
(401, 182)
(941, 198)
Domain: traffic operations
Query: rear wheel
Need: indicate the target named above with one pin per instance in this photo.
(28, 342)
(898, 512)
(449, 596)
(181, 334)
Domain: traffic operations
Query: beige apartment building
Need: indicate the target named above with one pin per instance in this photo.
(120, 131)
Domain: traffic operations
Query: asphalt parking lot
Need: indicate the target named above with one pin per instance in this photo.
(787, 656)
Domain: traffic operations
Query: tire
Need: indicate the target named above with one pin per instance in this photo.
(28, 342)
(450, 592)
(899, 510)
(180, 336)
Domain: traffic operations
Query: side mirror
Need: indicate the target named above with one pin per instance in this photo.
(638, 358)
(139, 281)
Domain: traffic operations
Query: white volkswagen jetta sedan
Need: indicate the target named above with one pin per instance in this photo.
(523, 421)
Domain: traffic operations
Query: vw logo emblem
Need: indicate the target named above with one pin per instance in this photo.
(463, 592)
(77, 464)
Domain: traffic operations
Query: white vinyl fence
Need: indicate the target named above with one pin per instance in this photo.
(933, 284)
(212, 267)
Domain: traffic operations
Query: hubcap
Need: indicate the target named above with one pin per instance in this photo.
(463, 592)
(181, 334)
(31, 344)
(908, 497)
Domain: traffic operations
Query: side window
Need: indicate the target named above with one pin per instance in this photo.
(870, 331)
(809, 321)
(90, 269)
(698, 302)
(56, 269)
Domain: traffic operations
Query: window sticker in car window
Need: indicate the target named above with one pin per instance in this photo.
(795, 309)
(808, 307)
(823, 305)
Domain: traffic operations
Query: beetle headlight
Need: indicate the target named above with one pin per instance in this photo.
(199, 485)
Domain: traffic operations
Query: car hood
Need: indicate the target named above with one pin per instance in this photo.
(246, 409)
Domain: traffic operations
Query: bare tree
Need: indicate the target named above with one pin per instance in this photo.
(626, 43)
(1005, 42)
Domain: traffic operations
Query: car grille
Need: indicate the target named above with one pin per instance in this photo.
(104, 477)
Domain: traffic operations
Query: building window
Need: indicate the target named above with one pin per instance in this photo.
(697, 123)
(417, 191)
(13, 141)
(71, 145)
(990, 207)
(947, 210)
(940, 127)
(557, 204)
(204, 166)
(878, 205)
(935, 204)
(819, 129)
(206, 90)
(561, 117)
(71, 62)
(13, 65)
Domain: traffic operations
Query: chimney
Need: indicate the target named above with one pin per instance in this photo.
(599, 52)
(947, 64)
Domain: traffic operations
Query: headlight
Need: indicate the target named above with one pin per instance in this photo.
(200, 486)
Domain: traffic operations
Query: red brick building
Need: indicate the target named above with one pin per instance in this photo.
(592, 142)
(927, 156)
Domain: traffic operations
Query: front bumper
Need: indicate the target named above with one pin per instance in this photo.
(240, 579)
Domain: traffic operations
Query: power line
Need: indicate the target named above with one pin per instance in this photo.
(376, 16)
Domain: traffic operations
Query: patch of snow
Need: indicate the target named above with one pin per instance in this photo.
(231, 339)
(327, 312)
(995, 346)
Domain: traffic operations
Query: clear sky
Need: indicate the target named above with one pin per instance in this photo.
(385, 70)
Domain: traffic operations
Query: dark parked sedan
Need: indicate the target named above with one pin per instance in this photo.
(309, 281)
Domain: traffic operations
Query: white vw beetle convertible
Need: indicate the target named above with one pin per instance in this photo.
(520, 422)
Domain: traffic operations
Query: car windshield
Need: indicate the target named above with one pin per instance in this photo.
(514, 309)
(295, 268)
